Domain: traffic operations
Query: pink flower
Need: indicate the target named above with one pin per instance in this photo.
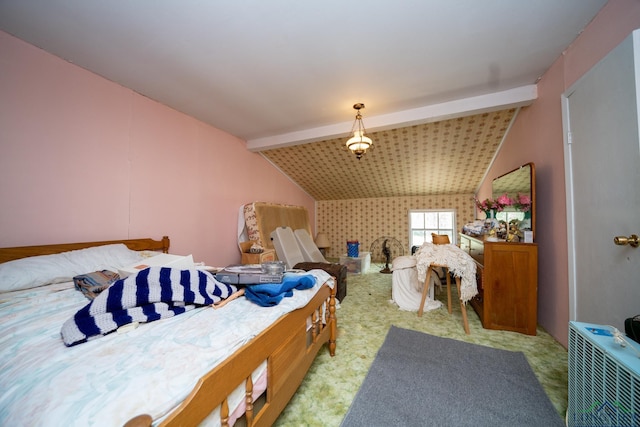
(523, 202)
(503, 201)
(524, 199)
(489, 204)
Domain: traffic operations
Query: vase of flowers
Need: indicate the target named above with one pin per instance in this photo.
(522, 202)
(493, 205)
(490, 207)
(491, 224)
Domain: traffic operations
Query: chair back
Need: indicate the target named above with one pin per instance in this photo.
(440, 239)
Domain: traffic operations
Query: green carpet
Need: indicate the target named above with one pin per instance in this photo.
(364, 318)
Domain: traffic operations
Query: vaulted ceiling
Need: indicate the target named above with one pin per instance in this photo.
(441, 79)
(444, 157)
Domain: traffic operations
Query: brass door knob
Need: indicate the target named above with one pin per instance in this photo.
(631, 241)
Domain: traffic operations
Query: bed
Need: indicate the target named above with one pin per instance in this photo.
(184, 370)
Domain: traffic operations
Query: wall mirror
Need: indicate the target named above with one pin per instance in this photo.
(515, 184)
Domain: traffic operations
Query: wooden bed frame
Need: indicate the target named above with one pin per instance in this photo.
(288, 346)
(9, 254)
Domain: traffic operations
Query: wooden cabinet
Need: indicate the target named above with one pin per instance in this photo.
(507, 278)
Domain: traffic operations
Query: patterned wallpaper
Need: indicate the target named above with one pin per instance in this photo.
(445, 157)
(367, 219)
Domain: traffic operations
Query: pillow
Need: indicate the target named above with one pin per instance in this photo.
(42, 270)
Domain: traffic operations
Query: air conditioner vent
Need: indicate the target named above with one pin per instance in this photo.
(604, 378)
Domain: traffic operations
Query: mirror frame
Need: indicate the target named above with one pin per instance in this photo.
(532, 191)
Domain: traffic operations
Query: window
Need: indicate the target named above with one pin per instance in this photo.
(424, 222)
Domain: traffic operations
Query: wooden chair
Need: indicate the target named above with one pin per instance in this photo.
(443, 240)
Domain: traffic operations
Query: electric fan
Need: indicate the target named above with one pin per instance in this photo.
(383, 250)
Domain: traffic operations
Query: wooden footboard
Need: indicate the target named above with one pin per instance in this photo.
(289, 349)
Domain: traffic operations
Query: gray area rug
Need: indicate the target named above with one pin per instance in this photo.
(418, 379)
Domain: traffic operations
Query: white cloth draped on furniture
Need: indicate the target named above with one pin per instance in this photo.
(406, 289)
(458, 261)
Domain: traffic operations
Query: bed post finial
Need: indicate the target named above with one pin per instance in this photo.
(333, 331)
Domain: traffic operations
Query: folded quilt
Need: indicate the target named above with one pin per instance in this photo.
(152, 294)
(270, 294)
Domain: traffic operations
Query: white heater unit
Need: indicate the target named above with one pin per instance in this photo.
(604, 377)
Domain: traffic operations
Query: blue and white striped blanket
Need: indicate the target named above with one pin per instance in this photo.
(152, 294)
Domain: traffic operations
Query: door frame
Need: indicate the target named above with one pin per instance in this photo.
(568, 178)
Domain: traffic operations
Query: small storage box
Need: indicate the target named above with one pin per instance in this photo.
(249, 258)
(357, 265)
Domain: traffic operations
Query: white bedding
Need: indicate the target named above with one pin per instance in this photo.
(109, 380)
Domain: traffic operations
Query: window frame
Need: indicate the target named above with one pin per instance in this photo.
(453, 236)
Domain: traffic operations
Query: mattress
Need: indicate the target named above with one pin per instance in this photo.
(286, 246)
(108, 380)
(308, 247)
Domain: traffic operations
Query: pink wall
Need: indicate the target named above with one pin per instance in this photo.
(537, 136)
(83, 159)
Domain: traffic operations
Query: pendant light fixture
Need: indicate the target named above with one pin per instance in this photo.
(359, 143)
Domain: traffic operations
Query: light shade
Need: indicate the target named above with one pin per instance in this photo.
(322, 241)
(359, 143)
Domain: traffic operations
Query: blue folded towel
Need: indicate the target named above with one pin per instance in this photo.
(270, 294)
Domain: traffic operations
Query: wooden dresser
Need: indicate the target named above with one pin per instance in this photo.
(507, 277)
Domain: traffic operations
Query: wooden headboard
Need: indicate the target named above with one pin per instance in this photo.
(8, 254)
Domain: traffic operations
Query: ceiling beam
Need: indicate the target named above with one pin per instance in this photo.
(512, 98)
